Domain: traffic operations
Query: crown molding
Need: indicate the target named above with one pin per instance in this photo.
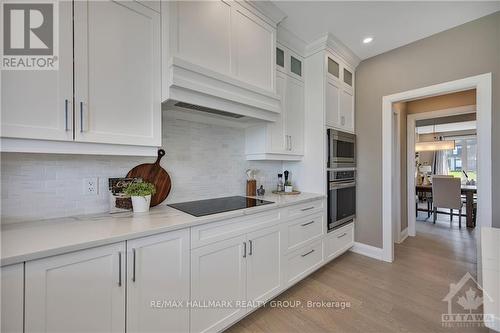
(268, 9)
(331, 43)
(288, 39)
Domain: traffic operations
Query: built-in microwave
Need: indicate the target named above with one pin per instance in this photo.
(341, 149)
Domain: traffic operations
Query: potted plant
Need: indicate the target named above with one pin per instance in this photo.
(141, 195)
(288, 186)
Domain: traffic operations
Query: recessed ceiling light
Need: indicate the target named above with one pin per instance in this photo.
(367, 40)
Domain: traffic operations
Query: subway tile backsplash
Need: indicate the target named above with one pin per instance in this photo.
(203, 161)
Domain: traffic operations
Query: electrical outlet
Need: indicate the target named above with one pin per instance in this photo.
(91, 186)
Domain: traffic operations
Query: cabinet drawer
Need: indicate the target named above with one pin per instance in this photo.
(303, 261)
(303, 230)
(339, 241)
(214, 232)
(304, 209)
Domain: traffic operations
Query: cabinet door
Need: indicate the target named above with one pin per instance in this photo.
(158, 270)
(204, 40)
(82, 291)
(117, 73)
(277, 129)
(12, 279)
(264, 264)
(347, 110)
(254, 48)
(333, 93)
(294, 108)
(218, 274)
(38, 104)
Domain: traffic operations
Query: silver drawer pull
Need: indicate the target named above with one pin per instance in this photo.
(66, 128)
(244, 249)
(342, 235)
(303, 225)
(308, 253)
(308, 208)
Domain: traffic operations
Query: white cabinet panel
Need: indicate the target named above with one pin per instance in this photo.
(82, 291)
(204, 33)
(12, 280)
(303, 261)
(264, 264)
(38, 104)
(117, 73)
(255, 46)
(295, 115)
(304, 230)
(332, 105)
(158, 270)
(347, 110)
(218, 273)
(276, 130)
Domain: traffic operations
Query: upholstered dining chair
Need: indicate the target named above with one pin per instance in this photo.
(446, 193)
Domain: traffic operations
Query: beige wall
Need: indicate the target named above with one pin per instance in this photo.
(467, 50)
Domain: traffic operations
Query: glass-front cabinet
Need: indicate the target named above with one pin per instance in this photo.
(289, 62)
(339, 97)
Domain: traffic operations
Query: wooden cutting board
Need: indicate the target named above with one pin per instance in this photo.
(155, 174)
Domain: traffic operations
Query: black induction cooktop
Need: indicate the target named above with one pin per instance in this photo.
(218, 205)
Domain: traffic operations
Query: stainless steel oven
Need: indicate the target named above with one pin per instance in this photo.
(341, 149)
(341, 197)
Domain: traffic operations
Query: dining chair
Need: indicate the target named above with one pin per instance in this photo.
(446, 193)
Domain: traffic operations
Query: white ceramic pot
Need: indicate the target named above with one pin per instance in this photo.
(288, 189)
(141, 204)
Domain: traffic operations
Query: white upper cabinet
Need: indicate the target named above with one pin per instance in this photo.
(82, 291)
(117, 73)
(339, 94)
(38, 104)
(158, 269)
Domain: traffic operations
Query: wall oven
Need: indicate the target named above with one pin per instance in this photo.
(341, 197)
(341, 149)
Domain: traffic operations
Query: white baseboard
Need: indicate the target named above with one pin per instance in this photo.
(403, 235)
(367, 250)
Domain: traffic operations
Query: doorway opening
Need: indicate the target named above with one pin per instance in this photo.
(392, 212)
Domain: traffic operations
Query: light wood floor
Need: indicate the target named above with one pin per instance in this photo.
(404, 296)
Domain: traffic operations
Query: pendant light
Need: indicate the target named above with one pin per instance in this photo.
(435, 145)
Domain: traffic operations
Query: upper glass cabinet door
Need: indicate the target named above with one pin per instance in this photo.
(280, 57)
(347, 77)
(333, 67)
(295, 66)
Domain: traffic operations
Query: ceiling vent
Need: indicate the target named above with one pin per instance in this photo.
(207, 109)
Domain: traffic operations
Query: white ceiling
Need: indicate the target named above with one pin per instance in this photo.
(392, 24)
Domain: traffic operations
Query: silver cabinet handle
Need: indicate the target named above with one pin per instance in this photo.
(119, 269)
(244, 249)
(308, 208)
(342, 235)
(290, 142)
(66, 115)
(81, 116)
(303, 225)
(308, 253)
(133, 265)
(251, 247)
(342, 120)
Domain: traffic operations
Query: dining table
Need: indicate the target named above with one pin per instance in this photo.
(468, 191)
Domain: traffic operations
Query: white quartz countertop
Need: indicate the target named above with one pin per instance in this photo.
(38, 239)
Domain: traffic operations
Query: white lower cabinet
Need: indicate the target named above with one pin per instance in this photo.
(82, 291)
(264, 264)
(218, 275)
(303, 261)
(244, 270)
(12, 281)
(339, 241)
(158, 283)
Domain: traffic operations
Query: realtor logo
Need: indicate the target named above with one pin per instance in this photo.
(465, 304)
(30, 35)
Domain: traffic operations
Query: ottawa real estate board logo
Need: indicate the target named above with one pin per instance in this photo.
(30, 35)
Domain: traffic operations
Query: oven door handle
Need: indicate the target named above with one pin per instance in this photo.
(334, 186)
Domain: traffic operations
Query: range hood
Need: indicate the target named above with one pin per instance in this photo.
(192, 87)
